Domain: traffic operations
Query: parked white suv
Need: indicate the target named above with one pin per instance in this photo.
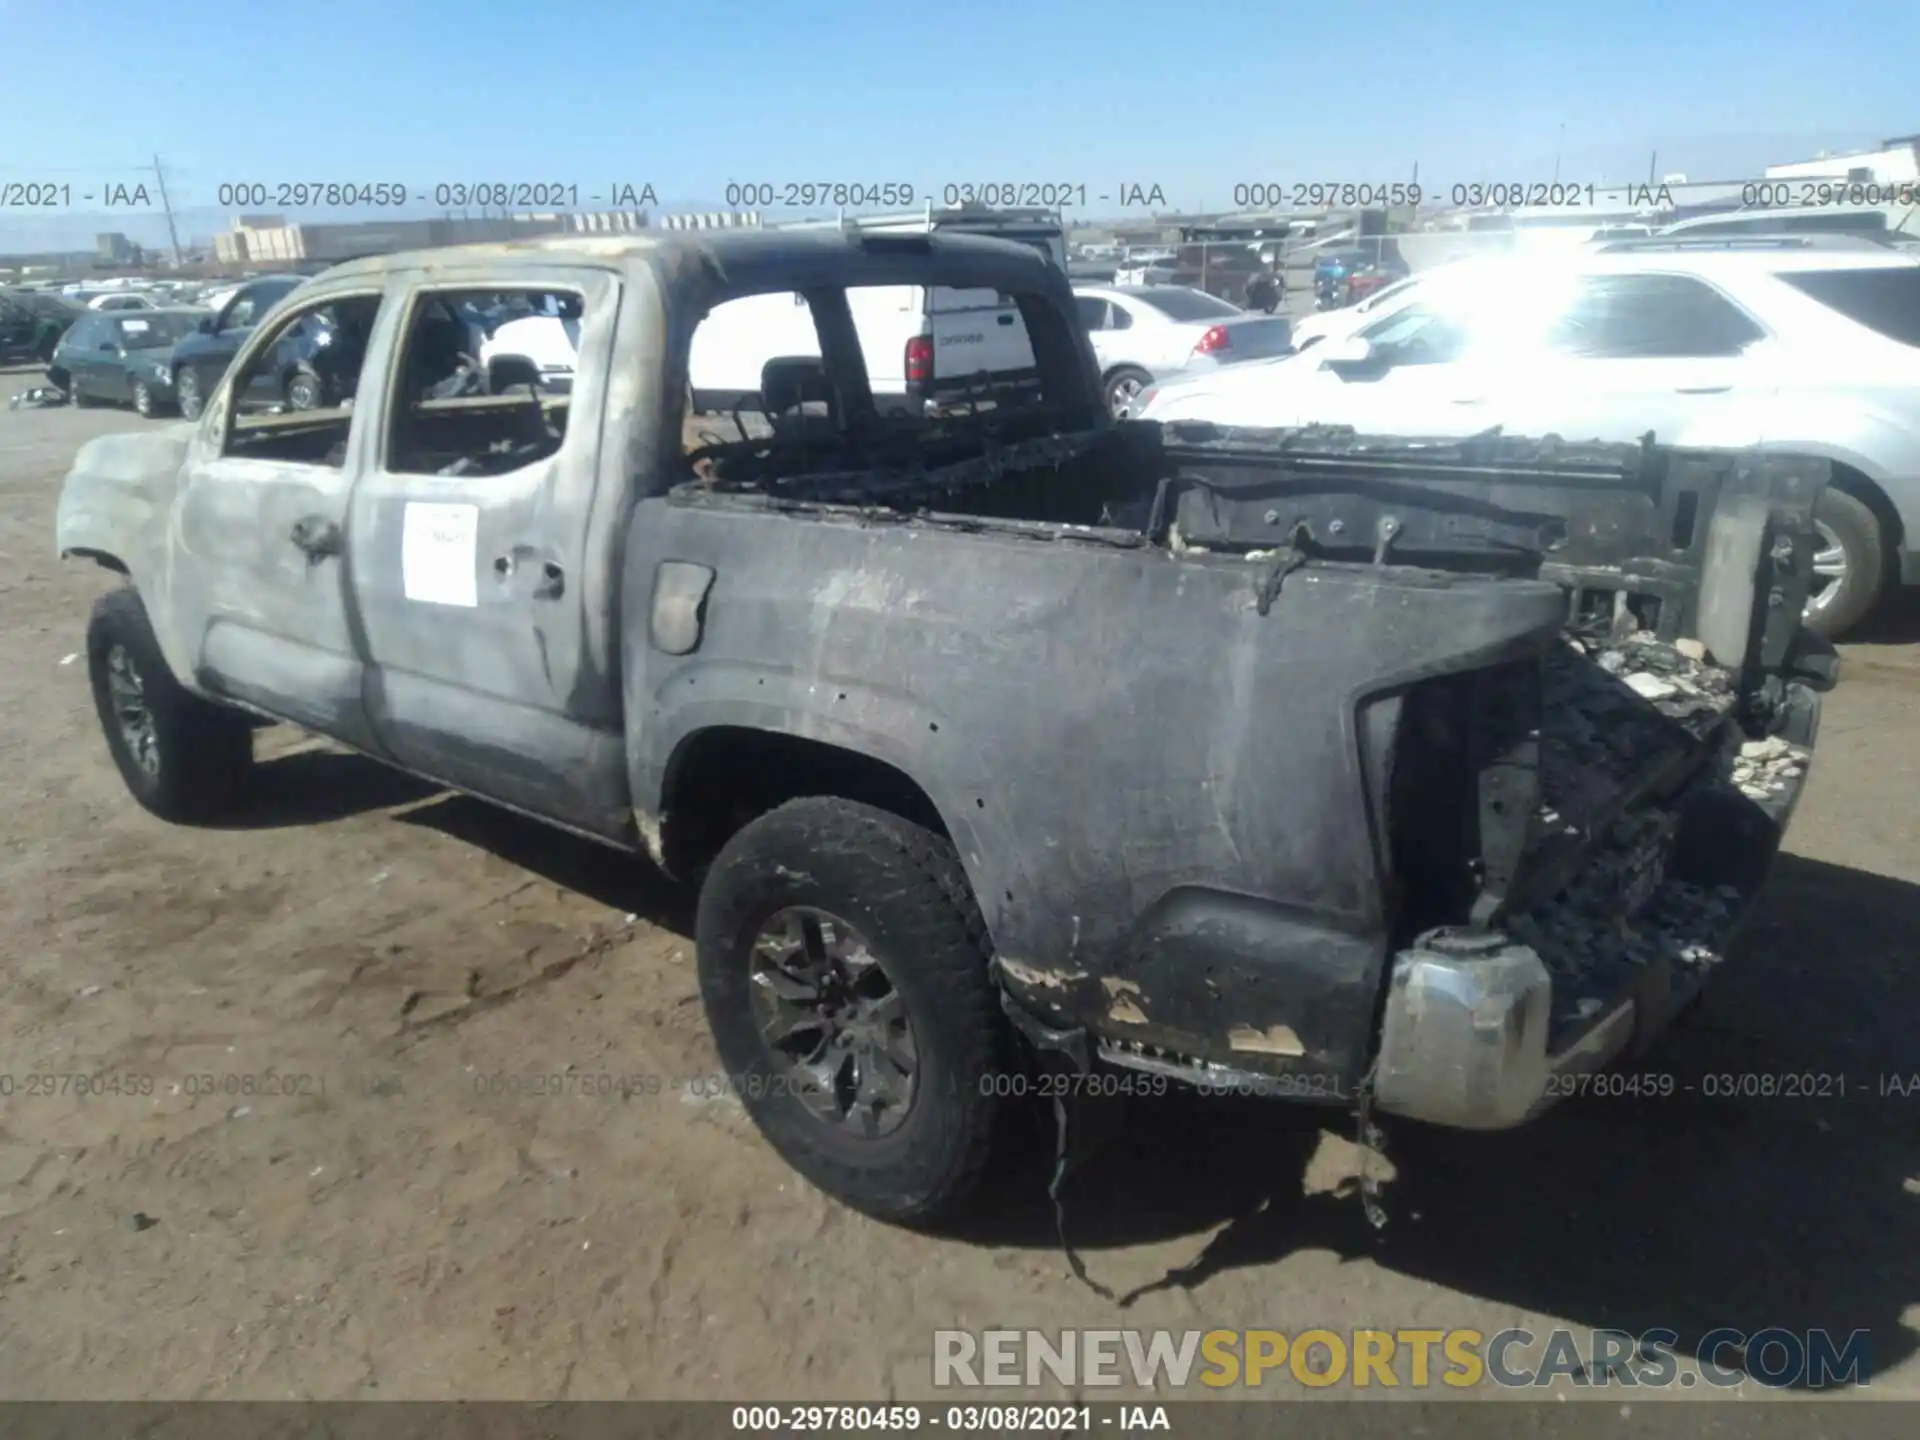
(1144, 333)
(1807, 344)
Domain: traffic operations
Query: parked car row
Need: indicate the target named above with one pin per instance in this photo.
(1346, 277)
(1801, 344)
(159, 360)
(1145, 333)
(122, 358)
(32, 322)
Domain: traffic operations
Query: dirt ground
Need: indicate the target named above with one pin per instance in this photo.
(307, 1185)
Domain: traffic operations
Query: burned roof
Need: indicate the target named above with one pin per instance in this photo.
(736, 255)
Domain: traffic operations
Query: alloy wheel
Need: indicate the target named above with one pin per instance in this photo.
(131, 711)
(1829, 569)
(837, 1029)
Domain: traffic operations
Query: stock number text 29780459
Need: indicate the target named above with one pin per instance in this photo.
(304, 194)
(767, 194)
(1315, 194)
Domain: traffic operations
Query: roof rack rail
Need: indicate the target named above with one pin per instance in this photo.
(1759, 241)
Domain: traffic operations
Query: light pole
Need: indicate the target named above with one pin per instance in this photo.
(1559, 143)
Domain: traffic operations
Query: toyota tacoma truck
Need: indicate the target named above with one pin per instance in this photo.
(1419, 776)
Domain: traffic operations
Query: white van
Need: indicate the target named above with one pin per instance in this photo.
(922, 346)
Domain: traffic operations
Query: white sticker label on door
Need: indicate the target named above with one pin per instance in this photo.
(438, 550)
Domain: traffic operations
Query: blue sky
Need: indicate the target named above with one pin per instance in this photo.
(1193, 97)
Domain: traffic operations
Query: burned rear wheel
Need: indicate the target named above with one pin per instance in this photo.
(843, 967)
(842, 1039)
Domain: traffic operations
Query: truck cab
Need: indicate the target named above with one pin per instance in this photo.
(924, 346)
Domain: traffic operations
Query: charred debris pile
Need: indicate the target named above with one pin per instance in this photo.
(1323, 491)
(1631, 727)
(1012, 468)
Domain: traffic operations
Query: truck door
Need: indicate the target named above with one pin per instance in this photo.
(468, 557)
(257, 586)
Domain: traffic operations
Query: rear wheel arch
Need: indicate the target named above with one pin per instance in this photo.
(720, 778)
(1856, 483)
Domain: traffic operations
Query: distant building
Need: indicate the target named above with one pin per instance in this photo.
(116, 249)
(270, 240)
(1896, 162)
(713, 220)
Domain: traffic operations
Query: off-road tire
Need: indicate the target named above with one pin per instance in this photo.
(144, 405)
(1858, 529)
(204, 750)
(903, 887)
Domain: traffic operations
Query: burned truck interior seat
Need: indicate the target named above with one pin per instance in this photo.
(455, 416)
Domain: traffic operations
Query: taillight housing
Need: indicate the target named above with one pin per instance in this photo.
(919, 359)
(1216, 338)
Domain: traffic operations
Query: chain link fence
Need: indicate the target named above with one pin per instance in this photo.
(1226, 269)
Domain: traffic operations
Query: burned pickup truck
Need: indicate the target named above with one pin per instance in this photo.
(1009, 735)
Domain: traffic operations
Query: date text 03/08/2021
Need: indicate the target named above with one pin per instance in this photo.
(1736, 1085)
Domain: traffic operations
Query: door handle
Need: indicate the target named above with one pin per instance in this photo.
(318, 536)
(1469, 399)
(1701, 389)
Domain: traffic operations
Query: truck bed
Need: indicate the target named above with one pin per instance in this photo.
(1604, 801)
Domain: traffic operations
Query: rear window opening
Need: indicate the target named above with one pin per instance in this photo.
(1884, 299)
(764, 397)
